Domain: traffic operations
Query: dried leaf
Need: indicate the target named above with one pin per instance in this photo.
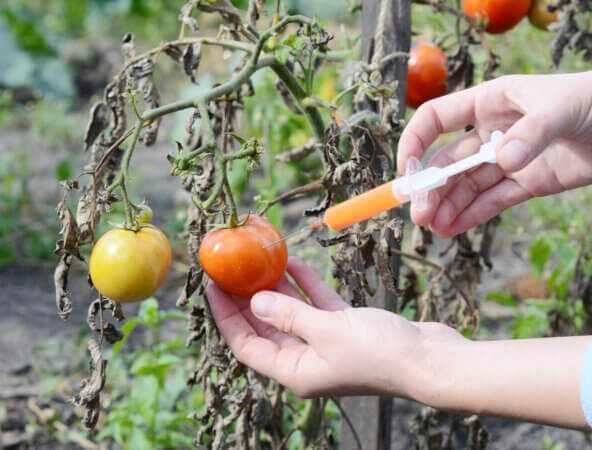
(89, 395)
(191, 60)
(63, 298)
(253, 13)
(301, 152)
(70, 231)
(98, 122)
(460, 69)
(84, 214)
(226, 9)
(114, 98)
(127, 47)
(185, 16)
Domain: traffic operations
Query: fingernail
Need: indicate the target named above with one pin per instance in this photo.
(513, 155)
(263, 305)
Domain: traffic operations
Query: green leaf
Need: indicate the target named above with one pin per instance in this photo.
(540, 252)
(144, 364)
(126, 329)
(64, 170)
(172, 314)
(501, 298)
(139, 441)
(241, 140)
(148, 312)
(409, 311)
(533, 323)
(27, 33)
(282, 53)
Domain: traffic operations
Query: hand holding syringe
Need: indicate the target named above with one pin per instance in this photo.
(413, 186)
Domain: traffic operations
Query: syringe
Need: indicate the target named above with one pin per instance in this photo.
(413, 186)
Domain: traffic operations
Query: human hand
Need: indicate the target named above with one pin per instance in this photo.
(546, 149)
(341, 350)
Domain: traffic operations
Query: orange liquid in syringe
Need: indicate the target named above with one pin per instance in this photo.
(361, 207)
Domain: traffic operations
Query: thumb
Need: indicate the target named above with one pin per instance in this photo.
(525, 140)
(288, 314)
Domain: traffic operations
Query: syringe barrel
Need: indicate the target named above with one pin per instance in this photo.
(361, 207)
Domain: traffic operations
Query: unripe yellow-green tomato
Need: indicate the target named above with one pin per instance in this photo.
(129, 266)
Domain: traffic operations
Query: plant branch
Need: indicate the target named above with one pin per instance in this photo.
(123, 176)
(348, 421)
(444, 271)
(309, 188)
(219, 91)
(241, 154)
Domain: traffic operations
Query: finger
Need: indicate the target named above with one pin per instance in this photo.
(527, 138)
(263, 329)
(458, 149)
(287, 288)
(466, 189)
(320, 294)
(442, 115)
(263, 355)
(290, 315)
(489, 204)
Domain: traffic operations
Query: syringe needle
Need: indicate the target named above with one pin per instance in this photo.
(311, 227)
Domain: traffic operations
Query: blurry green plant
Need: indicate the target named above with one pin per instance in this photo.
(149, 397)
(25, 234)
(555, 254)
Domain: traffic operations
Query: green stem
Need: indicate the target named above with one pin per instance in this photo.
(343, 93)
(309, 73)
(207, 204)
(123, 176)
(311, 112)
(228, 191)
(129, 217)
(219, 91)
(241, 154)
(191, 155)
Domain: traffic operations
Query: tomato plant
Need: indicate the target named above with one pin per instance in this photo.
(426, 74)
(500, 15)
(128, 266)
(236, 258)
(540, 16)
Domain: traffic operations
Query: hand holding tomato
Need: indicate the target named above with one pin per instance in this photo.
(129, 266)
(546, 148)
(344, 351)
(237, 258)
(342, 347)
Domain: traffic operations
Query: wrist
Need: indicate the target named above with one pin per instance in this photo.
(442, 364)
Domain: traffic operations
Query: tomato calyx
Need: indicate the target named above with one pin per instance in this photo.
(234, 222)
(136, 228)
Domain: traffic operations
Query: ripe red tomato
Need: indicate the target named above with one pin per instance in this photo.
(236, 260)
(500, 15)
(426, 74)
(540, 16)
(128, 266)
